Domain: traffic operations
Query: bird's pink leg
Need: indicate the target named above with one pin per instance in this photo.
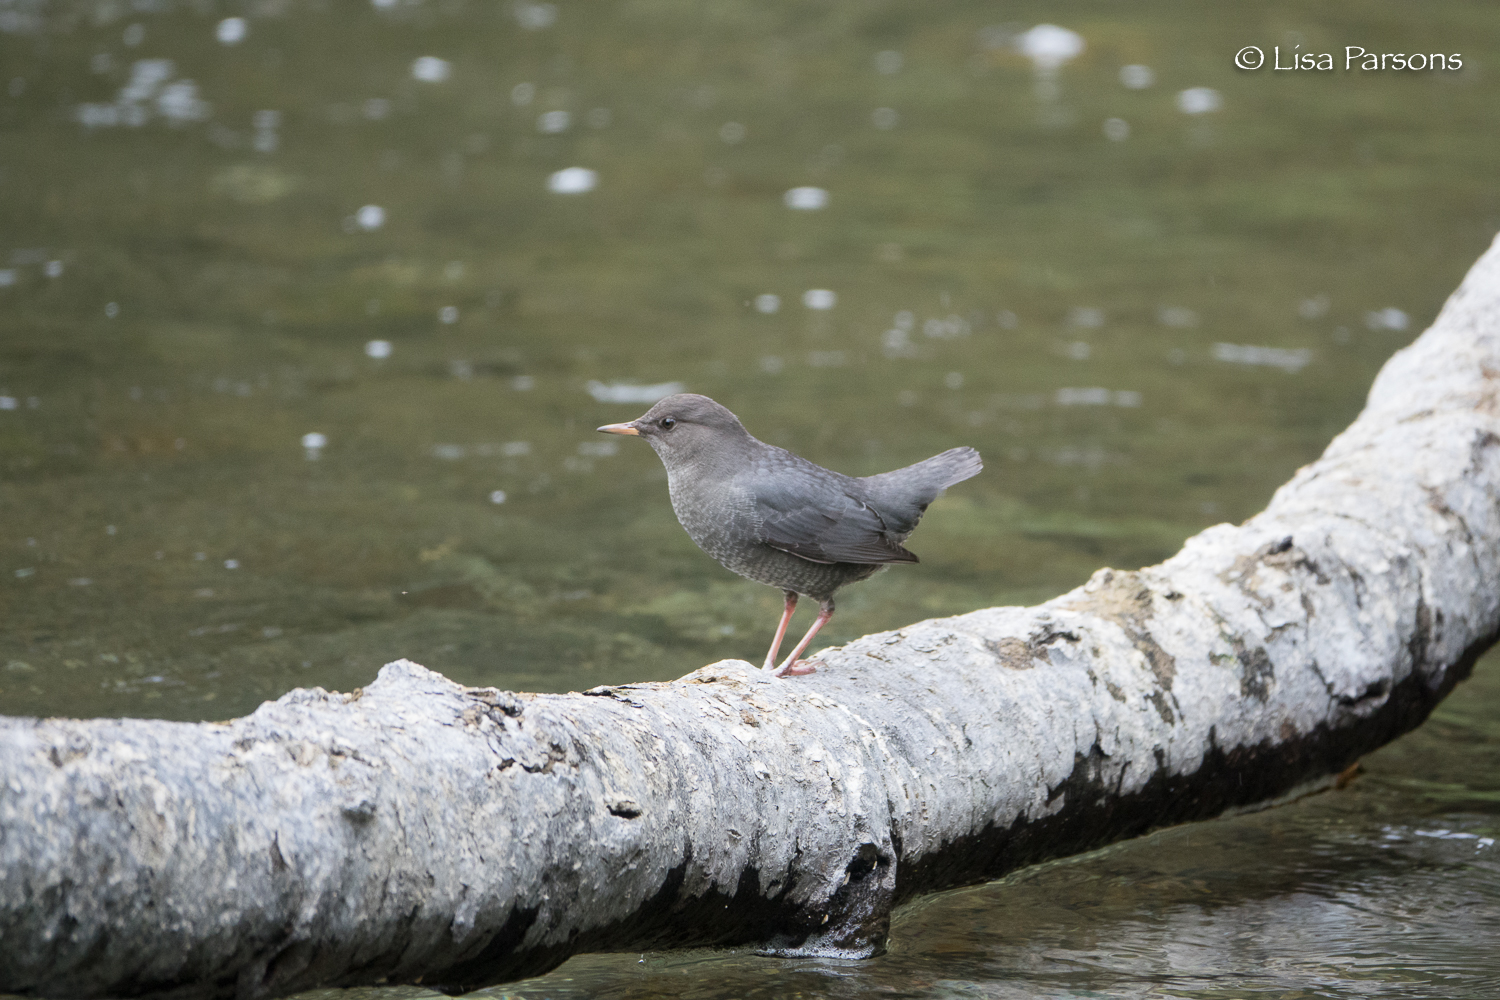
(786, 617)
(793, 668)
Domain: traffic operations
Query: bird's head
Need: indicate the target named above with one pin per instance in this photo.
(685, 428)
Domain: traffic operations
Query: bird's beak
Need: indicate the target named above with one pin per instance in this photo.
(620, 429)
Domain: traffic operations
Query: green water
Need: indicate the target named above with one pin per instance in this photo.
(191, 282)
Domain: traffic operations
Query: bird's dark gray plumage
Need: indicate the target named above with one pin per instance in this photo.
(771, 516)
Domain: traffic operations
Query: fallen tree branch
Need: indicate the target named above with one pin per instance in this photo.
(423, 832)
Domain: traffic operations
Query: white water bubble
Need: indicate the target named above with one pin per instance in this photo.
(378, 349)
(889, 62)
(431, 69)
(1178, 316)
(448, 315)
(1315, 307)
(1079, 350)
(134, 35)
(9, 403)
(573, 180)
(1287, 359)
(732, 132)
(383, 4)
(515, 449)
(497, 496)
(370, 217)
(232, 30)
(954, 380)
(1093, 396)
(111, 309)
(598, 449)
(8, 277)
(806, 199)
(231, 564)
(820, 298)
(767, 303)
(947, 328)
(535, 16)
(1199, 101)
(624, 392)
(377, 108)
(54, 269)
(523, 383)
(1116, 129)
(1049, 46)
(553, 122)
(896, 343)
(885, 118)
(522, 94)
(146, 77)
(1137, 77)
(179, 103)
(1389, 318)
(314, 443)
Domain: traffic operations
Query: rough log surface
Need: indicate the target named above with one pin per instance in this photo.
(420, 831)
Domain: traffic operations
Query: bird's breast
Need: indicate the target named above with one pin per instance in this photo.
(718, 515)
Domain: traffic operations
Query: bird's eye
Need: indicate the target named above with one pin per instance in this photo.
(667, 423)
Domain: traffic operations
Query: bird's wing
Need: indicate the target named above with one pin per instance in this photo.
(828, 527)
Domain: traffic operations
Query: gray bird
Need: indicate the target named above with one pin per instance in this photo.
(778, 519)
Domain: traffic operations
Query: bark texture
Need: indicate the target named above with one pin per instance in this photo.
(420, 831)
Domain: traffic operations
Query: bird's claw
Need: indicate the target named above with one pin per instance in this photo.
(798, 669)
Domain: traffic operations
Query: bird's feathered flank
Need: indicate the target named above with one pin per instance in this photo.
(863, 521)
(847, 530)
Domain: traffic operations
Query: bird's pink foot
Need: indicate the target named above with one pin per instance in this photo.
(794, 666)
(798, 669)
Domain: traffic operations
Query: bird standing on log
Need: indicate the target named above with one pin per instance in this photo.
(773, 517)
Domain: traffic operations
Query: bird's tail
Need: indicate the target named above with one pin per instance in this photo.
(952, 466)
(905, 493)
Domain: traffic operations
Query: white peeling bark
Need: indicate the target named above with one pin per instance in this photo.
(419, 831)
